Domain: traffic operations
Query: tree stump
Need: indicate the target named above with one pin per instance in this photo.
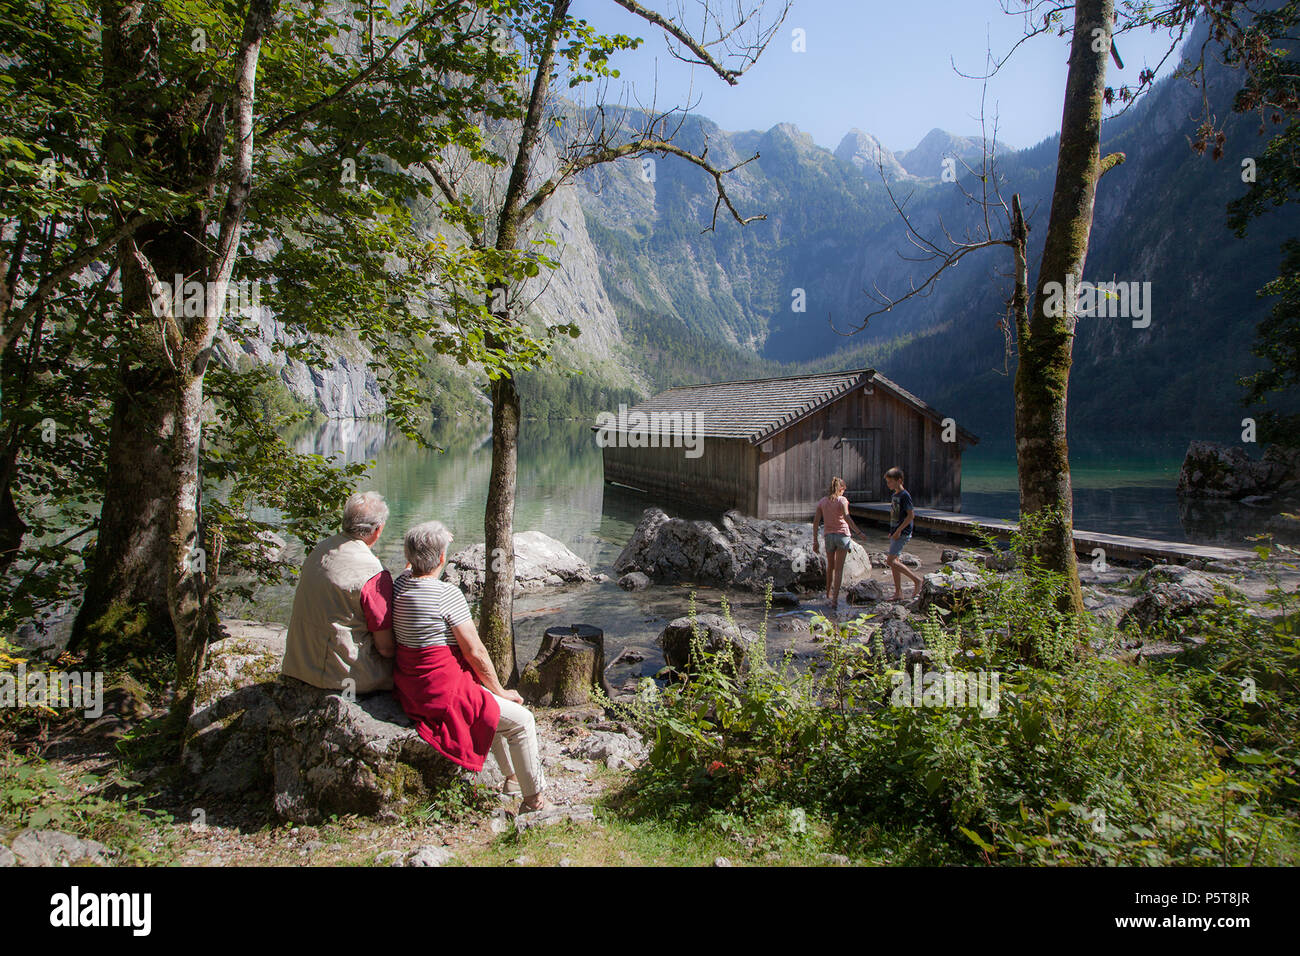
(570, 662)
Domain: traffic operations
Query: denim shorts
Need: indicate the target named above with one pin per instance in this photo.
(896, 546)
(836, 542)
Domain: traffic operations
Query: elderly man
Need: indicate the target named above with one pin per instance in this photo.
(341, 627)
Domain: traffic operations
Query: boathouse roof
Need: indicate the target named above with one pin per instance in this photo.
(757, 409)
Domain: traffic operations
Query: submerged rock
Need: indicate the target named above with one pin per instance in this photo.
(1285, 528)
(717, 634)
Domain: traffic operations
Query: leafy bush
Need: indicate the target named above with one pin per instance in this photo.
(1245, 678)
(33, 794)
(1086, 761)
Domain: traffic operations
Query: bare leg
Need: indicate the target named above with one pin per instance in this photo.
(896, 567)
(916, 580)
(830, 572)
(838, 561)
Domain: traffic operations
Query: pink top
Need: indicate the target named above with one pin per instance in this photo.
(834, 512)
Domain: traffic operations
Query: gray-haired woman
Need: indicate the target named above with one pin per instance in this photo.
(444, 678)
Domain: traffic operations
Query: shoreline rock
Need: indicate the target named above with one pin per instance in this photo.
(540, 561)
(1212, 470)
(311, 752)
(744, 552)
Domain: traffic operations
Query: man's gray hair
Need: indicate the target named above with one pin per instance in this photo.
(364, 512)
(425, 545)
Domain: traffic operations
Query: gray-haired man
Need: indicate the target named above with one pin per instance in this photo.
(341, 626)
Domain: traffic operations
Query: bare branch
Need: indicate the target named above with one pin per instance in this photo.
(749, 53)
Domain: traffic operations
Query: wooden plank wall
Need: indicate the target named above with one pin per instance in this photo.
(724, 476)
(803, 459)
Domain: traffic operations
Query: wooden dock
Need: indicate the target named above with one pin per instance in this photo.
(1117, 547)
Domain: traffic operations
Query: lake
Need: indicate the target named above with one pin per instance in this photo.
(1120, 488)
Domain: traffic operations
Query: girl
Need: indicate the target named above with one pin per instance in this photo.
(833, 512)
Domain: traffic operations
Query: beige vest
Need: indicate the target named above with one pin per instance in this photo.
(328, 640)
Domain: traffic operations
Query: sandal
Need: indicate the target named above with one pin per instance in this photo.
(542, 804)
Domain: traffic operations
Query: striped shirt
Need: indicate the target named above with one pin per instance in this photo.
(425, 610)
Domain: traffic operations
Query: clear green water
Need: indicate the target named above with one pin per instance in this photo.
(1123, 488)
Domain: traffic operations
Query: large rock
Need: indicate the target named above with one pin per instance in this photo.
(717, 635)
(235, 701)
(1170, 592)
(312, 752)
(53, 848)
(744, 552)
(1211, 470)
(950, 590)
(675, 549)
(781, 552)
(332, 755)
(540, 561)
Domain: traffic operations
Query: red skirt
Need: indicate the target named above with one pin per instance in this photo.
(452, 711)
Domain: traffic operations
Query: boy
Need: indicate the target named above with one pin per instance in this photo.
(901, 516)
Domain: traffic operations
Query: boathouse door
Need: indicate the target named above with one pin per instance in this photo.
(860, 463)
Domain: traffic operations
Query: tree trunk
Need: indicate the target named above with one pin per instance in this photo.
(570, 662)
(1045, 353)
(496, 612)
(124, 613)
(147, 553)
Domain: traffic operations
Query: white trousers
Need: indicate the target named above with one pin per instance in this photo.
(515, 747)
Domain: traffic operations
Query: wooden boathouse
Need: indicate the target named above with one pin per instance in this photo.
(769, 447)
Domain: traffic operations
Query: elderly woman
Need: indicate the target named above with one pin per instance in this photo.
(444, 678)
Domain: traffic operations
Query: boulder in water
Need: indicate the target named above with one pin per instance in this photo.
(540, 561)
(1211, 470)
(717, 634)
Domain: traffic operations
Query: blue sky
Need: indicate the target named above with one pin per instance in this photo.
(884, 66)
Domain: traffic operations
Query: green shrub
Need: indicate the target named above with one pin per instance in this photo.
(1081, 761)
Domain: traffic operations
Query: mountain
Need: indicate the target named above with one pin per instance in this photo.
(666, 296)
(865, 152)
(786, 290)
(926, 160)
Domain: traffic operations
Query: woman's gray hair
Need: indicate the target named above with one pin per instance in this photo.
(425, 544)
(364, 512)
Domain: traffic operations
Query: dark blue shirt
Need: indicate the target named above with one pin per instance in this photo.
(900, 506)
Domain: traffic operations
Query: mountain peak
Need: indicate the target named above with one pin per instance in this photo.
(864, 151)
(926, 160)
